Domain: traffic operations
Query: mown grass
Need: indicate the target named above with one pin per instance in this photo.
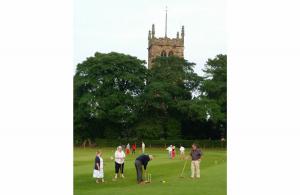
(212, 181)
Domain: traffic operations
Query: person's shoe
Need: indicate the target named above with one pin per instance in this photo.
(192, 177)
(97, 181)
(198, 177)
(102, 180)
(122, 176)
(116, 176)
(141, 182)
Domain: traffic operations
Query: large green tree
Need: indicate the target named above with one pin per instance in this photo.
(106, 87)
(205, 114)
(214, 91)
(170, 82)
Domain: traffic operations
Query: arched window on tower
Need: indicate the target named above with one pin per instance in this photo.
(171, 53)
(163, 54)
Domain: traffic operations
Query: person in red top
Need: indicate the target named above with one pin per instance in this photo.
(133, 148)
(128, 149)
(173, 152)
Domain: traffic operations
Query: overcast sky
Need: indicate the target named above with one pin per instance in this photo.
(123, 25)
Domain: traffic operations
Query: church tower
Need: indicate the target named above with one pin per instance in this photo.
(164, 46)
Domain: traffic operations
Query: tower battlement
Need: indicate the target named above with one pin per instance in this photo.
(166, 41)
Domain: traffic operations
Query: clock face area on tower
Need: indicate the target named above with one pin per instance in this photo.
(164, 46)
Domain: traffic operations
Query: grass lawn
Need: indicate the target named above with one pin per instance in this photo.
(212, 181)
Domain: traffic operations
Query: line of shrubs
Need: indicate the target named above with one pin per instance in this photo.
(161, 143)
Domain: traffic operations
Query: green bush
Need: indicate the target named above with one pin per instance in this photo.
(149, 128)
(161, 143)
(172, 128)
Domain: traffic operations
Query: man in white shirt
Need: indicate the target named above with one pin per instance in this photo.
(119, 162)
(181, 149)
(143, 147)
(170, 151)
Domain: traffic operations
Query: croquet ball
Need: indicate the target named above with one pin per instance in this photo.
(164, 181)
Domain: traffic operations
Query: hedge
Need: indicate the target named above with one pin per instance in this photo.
(161, 143)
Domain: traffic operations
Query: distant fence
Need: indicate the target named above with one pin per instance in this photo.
(161, 143)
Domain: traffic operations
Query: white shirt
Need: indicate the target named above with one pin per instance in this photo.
(119, 157)
(181, 149)
(169, 149)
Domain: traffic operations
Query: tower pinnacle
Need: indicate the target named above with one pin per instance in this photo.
(153, 31)
(166, 22)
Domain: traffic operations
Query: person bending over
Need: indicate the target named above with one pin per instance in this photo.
(140, 162)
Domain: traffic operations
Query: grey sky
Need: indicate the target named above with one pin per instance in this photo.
(122, 26)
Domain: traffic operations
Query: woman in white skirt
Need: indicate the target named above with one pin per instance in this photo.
(98, 168)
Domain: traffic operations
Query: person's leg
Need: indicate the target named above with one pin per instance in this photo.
(197, 166)
(137, 171)
(138, 166)
(117, 168)
(102, 175)
(192, 169)
(122, 169)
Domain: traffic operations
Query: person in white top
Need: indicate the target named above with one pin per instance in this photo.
(119, 162)
(169, 148)
(181, 149)
(143, 147)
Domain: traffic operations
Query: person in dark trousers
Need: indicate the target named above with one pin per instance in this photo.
(119, 162)
(141, 161)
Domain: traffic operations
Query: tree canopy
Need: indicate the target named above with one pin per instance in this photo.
(116, 96)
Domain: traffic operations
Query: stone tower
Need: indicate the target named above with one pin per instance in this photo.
(164, 46)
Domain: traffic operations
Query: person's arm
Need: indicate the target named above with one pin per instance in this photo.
(116, 155)
(199, 154)
(145, 165)
(98, 163)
